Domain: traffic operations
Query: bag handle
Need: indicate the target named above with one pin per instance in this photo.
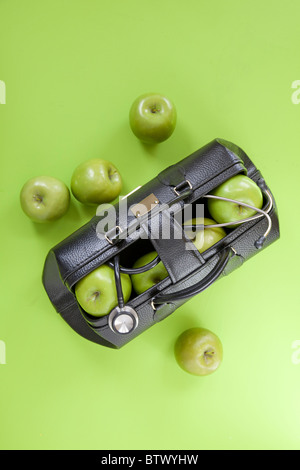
(200, 286)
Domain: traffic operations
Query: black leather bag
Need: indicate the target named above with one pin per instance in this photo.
(188, 182)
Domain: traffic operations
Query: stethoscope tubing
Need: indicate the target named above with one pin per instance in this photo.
(261, 213)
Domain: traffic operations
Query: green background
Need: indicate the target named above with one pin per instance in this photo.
(72, 68)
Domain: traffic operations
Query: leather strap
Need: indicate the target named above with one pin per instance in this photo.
(173, 246)
(201, 285)
(172, 176)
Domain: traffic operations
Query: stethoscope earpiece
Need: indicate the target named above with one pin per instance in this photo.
(259, 242)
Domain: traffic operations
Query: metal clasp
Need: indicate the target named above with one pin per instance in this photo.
(176, 187)
(112, 239)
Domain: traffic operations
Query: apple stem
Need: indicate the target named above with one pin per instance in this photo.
(209, 354)
(38, 198)
(111, 173)
(155, 109)
(94, 296)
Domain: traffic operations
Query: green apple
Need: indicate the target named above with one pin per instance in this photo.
(206, 237)
(96, 293)
(152, 118)
(198, 351)
(96, 181)
(241, 188)
(44, 198)
(143, 281)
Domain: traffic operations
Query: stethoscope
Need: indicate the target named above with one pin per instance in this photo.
(123, 319)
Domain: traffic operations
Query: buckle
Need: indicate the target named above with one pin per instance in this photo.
(182, 187)
(112, 237)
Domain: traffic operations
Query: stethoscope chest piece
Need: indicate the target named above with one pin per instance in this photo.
(123, 320)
